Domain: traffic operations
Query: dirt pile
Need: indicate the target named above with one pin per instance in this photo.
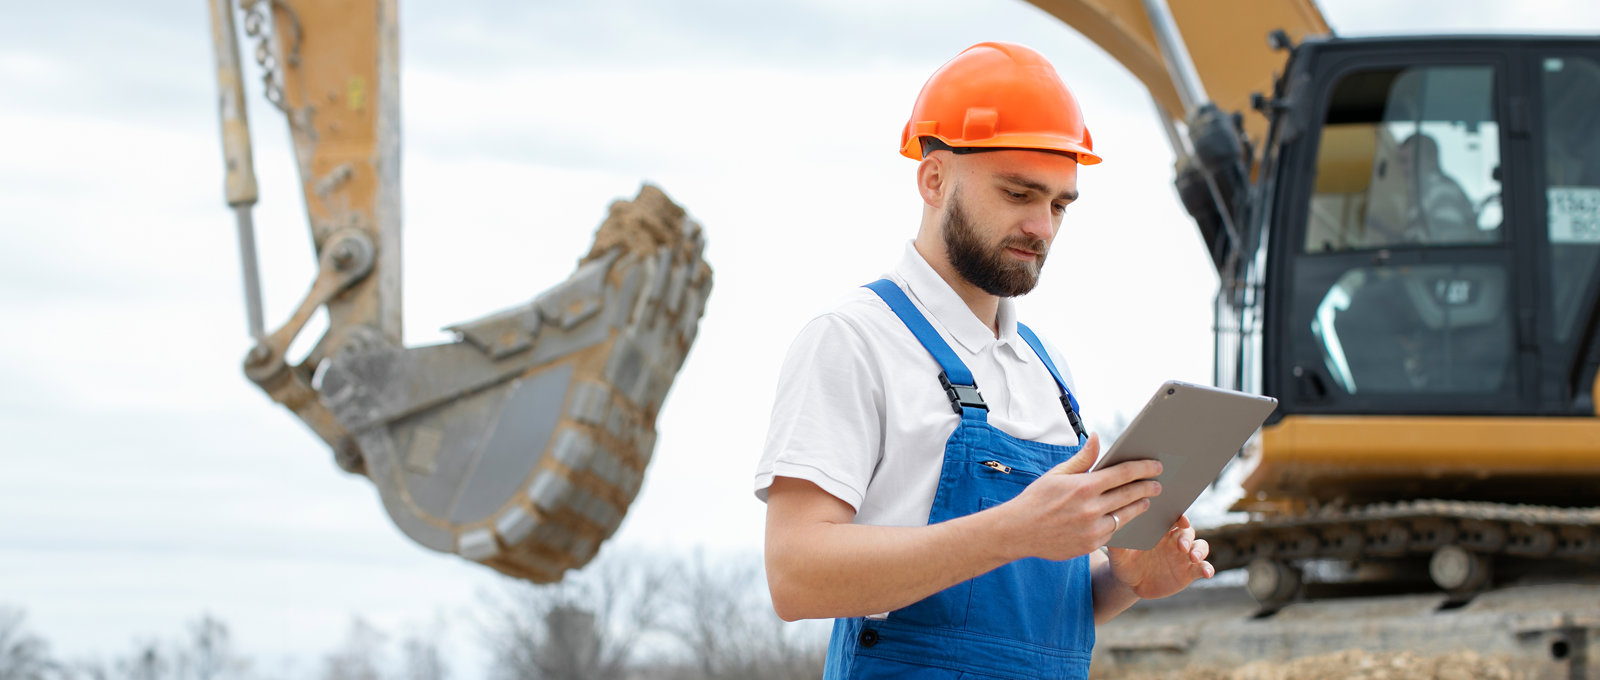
(1347, 665)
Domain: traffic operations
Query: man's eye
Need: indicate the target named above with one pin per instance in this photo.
(1016, 195)
(1059, 208)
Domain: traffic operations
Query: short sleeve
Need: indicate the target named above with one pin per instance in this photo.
(828, 417)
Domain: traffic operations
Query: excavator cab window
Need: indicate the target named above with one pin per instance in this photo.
(1408, 156)
(1570, 93)
(1402, 278)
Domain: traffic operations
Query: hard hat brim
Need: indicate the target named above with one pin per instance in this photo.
(913, 147)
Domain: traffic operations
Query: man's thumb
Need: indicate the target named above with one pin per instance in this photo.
(1081, 462)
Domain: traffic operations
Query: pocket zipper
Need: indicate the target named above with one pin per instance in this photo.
(997, 465)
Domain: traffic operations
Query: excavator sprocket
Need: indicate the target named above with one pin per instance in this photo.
(522, 444)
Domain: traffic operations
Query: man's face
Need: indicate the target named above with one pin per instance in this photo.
(1002, 216)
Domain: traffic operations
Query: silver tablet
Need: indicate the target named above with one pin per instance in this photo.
(1193, 430)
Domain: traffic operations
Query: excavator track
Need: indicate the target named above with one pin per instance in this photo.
(1520, 598)
(1462, 538)
(1413, 527)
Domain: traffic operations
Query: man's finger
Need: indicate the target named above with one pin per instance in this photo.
(1129, 496)
(1128, 471)
(1081, 462)
(1127, 512)
(1200, 551)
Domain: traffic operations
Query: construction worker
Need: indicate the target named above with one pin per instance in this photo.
(1420, 204)
(954, 531)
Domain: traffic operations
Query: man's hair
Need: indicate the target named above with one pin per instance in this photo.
(932, 144)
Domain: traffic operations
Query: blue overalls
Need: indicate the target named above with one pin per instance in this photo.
(1027, 620)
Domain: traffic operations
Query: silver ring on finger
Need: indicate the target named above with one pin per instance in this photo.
(1116, 523)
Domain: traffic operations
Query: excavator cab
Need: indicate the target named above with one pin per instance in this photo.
(1432, 252)
(1425, 224)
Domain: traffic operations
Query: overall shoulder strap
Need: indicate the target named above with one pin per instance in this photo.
(1067, 401)
(954, 375)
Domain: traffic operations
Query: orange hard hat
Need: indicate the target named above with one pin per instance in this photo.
(997, 95)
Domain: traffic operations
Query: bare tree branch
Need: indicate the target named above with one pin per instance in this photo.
(588, 626)
(360, 657)
(23, 655)
(722, 614)
(420, 652)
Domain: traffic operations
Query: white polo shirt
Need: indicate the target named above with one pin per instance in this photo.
(861, 414)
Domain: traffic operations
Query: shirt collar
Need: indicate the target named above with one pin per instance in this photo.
(949, 311)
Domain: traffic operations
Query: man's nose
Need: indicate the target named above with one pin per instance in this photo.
(1040, 224)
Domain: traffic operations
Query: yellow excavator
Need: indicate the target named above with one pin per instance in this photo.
(1406, 231)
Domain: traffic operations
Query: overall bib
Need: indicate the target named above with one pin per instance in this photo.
(1030, 619)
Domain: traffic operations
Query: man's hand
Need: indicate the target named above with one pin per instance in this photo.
(1178, 560)
(1067, 511)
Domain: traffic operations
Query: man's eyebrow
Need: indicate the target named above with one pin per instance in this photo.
(1026, 183)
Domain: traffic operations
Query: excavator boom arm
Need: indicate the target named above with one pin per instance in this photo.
(1226, 40)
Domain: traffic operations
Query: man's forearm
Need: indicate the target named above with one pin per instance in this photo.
(841, 570)
(826, 567)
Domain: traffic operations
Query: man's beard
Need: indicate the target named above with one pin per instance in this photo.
(990, 269)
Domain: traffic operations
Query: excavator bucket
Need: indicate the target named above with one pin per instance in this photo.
(519, 445)
(522, 444)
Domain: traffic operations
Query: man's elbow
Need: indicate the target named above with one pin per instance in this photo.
(788, 611)
(788, 601)
(793, 584)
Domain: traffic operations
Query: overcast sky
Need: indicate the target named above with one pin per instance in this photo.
(145, 480)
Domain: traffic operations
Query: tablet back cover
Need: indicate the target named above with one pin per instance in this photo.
(1194, 430)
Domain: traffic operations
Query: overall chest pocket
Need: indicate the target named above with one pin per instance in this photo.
(998, 480)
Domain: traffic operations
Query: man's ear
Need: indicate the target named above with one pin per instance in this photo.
(934, 179)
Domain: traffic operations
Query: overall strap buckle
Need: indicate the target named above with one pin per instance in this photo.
(1068, 404)
(961, 395)
(1072, 416)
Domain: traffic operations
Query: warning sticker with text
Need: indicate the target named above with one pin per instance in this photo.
(1574, 214)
